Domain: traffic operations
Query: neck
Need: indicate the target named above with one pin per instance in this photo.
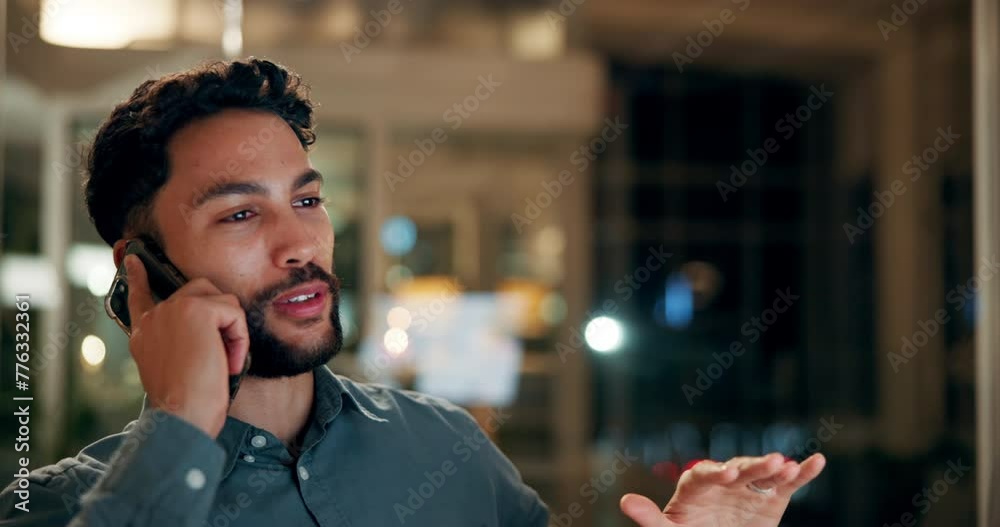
(281, 406)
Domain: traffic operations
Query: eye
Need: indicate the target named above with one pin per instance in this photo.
(312, 202)
(239, 217)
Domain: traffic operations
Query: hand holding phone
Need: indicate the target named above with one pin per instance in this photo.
(185, 345)
(164, 279)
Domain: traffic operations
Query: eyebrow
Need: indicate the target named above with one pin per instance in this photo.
(244, 188)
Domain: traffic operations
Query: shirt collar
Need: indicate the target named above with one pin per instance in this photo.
(330, 394)
(331, 391)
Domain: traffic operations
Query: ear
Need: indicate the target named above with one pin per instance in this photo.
(119, 251)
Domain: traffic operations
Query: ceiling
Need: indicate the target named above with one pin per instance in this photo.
(790, 34)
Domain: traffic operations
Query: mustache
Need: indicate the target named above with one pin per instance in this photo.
(298, 275)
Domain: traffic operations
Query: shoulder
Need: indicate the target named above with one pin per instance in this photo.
(62, 484)
(440, 424)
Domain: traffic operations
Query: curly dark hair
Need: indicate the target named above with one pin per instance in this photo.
(128, 162)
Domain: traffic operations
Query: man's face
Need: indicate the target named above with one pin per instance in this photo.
(242, 208)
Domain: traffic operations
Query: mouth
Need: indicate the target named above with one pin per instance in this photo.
(305, 301)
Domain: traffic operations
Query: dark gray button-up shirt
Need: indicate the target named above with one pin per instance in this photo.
(371, 455)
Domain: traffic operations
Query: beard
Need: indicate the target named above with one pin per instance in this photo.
(272, 357)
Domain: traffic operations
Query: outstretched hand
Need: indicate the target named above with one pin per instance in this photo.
(713, 494)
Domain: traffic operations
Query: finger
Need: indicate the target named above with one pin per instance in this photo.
(785, 475)
(225, 313)
(756, 468)
(140, 300)
(710, 472)
(238, 357)
(810, 468)
(643, 511)
(232, 323)
(703, 477)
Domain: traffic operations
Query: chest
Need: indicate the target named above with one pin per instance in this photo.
(412, 485)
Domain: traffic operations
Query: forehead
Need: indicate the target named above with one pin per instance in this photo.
(234, 145)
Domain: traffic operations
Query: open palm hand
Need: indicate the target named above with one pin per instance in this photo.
(713, 494)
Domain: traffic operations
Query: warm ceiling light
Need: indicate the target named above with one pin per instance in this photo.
(106, 24)
(341, 19)
(536, 37)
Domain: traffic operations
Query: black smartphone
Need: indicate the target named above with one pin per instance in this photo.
(164, 279)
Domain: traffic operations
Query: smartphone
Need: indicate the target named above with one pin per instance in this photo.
(164, 279)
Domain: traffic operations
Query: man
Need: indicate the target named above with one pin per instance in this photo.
(212, 165)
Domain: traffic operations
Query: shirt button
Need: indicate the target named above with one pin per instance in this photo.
(303, 473)
(195, 479)
(249, 459)
(258, 441)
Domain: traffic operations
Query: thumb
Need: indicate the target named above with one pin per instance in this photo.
(643, 511)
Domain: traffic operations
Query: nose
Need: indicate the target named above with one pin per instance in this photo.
(295, 244)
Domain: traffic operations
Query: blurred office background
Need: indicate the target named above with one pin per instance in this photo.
(674, 228)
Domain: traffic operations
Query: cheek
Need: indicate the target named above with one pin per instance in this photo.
(325, 239)
(247, 268)
(238, 271)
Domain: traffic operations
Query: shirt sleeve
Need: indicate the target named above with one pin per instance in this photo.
(518, 505)
(165, 472)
